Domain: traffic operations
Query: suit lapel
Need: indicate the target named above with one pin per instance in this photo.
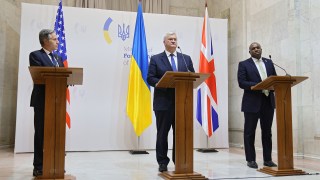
(59, 60)
(253, 66)
(268, 66)
(47, 62)
(181, 65)
(165, 61)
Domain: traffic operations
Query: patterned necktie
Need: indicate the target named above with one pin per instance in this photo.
(173, 63)
(53, 60)
(263, 76)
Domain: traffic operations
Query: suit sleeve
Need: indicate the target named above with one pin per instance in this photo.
(152, 78)
(243, 80)
(190, 65)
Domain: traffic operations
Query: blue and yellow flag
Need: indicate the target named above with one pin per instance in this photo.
(139, 95)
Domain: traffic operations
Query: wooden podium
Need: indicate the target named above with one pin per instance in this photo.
(184, 83)
(55, 80)
(282, 87)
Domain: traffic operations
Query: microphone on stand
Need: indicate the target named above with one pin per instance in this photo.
(279, 67)
(184, 59)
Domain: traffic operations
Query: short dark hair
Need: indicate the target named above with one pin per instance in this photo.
(45, 34)
(252, 45)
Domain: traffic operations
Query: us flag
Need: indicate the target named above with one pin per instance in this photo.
(62, 52)
(207, 100)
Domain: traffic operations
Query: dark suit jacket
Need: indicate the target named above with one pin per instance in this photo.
(40, 58)
(163, 98)
(248, 75)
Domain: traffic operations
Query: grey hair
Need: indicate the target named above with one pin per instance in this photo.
(45, 34)
(168, 34)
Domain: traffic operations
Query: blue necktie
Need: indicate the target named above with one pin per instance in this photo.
(173, 63)
(54, 62)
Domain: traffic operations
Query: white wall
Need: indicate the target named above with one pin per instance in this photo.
(289, 31)
(99, 121)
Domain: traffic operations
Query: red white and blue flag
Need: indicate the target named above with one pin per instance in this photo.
(62, 52)
(207, 100)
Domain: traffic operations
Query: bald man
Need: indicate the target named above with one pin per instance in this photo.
(257, 104)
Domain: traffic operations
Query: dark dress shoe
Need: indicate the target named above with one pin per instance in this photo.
(163, 167)
(37, 172)
(252, 164)
(269, 164)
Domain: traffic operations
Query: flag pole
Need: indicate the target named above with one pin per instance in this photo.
(139, 54)
(138, 151)
(207, 149)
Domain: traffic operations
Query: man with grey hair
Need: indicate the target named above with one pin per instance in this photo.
(43, 57)
(164, 99)
(257, 104)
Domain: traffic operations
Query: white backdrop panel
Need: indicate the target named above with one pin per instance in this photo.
(98, 107)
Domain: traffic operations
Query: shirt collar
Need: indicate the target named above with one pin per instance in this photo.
(48, 52)
(256, 60)
(168, 53)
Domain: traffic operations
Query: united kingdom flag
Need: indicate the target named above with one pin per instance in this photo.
(207, 100)
(62, 51)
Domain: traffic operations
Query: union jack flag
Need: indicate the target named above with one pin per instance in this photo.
(62, 52)
(207, 100)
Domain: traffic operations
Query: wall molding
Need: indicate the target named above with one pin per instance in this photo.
(236, 145)
(236, 130)
(310, 156)
(6, 146)
(295, 155)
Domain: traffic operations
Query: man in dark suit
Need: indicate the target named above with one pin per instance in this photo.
(43, 57)
(257, 104)
(164, 99)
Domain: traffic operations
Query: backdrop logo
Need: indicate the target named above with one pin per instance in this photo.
(123, 32)
(106, 30)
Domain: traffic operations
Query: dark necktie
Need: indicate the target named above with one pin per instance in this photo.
(53, 60)
(173, 63)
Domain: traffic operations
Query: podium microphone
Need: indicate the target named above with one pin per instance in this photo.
(183, 59)
(279, 67)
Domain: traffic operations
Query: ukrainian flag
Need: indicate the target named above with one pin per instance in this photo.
(139, 95)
